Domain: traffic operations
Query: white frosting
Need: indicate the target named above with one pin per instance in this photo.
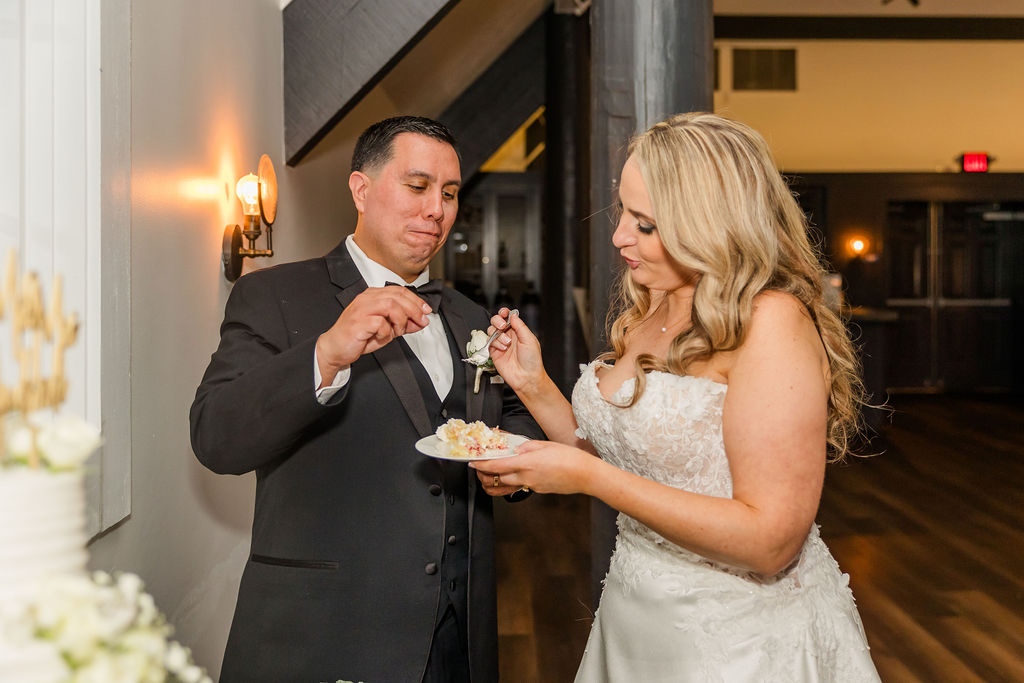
(42, 534)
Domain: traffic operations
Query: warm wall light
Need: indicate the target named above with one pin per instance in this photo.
(248, 191)
(862, 248)
(258, 196)
(858, 246)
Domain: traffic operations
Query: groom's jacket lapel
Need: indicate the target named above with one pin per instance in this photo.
(390, 356)
(460, 332)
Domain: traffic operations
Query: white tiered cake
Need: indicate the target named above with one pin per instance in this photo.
(42, 535)
(58, 623)
(43, 528)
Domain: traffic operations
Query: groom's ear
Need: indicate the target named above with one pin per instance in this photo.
(359, 185)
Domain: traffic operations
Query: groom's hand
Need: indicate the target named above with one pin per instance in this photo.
(374, 318)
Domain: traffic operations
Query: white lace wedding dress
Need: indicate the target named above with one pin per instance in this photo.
(668, 614)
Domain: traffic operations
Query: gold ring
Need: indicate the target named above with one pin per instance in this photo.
(497, 480)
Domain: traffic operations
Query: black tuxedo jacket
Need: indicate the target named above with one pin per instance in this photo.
(349, 517)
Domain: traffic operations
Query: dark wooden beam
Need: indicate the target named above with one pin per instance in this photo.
(736, 27)
(649, 59)
(566, 196)
(499, 101)
(336, 51)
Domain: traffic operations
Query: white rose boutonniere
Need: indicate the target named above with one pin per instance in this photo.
(479, 355)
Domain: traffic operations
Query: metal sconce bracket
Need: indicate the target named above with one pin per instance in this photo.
(232, 250)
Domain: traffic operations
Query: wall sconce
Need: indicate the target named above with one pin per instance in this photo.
(858, 246)
(258, 195)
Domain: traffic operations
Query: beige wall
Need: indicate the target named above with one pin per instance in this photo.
(888, 105)
(875, 8)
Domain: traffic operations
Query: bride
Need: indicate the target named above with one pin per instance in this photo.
(729, 385)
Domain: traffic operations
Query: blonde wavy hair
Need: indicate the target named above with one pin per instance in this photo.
(724, 212)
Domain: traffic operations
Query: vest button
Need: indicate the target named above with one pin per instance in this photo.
(431, 568)
(444, 412)
(452, 584)
(435, 490)
(451, 499)
(451, 540)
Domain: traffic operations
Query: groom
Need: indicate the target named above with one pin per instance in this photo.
(369, 561)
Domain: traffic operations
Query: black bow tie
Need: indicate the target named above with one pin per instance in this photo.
(429, 291)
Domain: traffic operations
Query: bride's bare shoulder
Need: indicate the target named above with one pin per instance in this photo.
(781, 327)
(776, 311)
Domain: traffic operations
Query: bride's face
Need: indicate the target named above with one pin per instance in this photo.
(636, 236)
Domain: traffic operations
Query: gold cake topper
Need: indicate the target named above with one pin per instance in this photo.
(33, 328)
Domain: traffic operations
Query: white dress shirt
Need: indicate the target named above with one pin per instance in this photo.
(429, 344)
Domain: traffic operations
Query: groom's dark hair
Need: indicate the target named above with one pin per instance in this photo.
(375, 146)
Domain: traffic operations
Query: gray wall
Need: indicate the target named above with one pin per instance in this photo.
(206, 101)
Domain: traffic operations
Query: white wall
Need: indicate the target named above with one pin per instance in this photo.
(52, 211)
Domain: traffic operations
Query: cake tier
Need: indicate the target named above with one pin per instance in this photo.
(31, 662)
(42, 528)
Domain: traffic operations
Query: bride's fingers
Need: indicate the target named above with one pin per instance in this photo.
(521, 329)
(502, 343)
(530, 447)
(496, 484)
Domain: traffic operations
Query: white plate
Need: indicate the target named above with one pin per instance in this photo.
(428, 445)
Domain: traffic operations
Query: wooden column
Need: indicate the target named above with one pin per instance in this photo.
(650, 59)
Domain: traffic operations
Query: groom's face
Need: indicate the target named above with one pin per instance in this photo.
(408, 205)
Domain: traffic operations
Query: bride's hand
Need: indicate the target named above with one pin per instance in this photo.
(516, 353)
(543, 466)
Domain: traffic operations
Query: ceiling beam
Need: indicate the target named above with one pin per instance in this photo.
(335, 51)
(499, 101)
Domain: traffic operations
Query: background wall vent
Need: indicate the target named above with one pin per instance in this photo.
(763, 69)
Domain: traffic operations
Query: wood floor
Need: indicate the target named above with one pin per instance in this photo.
(931, 532)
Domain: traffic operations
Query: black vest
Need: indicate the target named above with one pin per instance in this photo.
(453, 477)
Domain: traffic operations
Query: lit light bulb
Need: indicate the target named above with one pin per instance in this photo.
(858, 245)
(248, 191)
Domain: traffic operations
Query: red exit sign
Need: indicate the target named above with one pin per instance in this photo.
(974, 162)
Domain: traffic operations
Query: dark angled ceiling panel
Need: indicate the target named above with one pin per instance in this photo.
(335, 51)
(499, 101)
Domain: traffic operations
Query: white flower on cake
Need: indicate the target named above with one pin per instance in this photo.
(56, 622)
(106, 629)
(469, 440)
(62, 442)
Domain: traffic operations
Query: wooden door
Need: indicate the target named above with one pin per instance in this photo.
(955, 273)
